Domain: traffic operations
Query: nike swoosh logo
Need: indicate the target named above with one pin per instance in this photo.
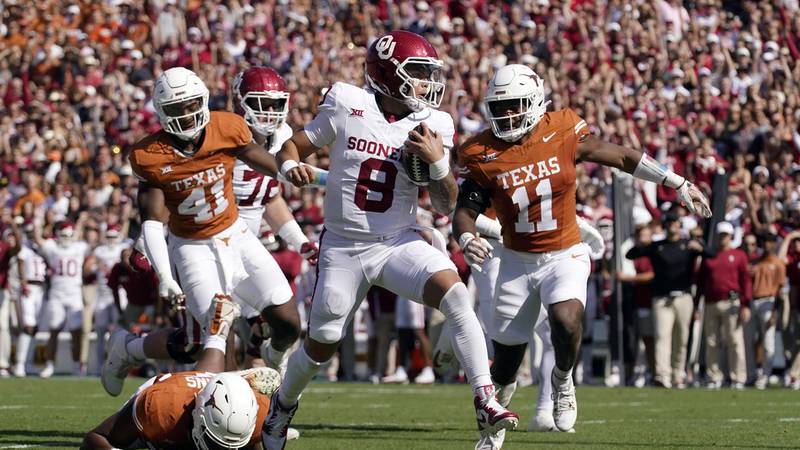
(547, 138)
(577, 256)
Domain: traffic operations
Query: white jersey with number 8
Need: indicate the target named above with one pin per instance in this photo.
(368, 193)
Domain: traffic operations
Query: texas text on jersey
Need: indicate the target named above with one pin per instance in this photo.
(368, 192)
(531, 185)
(197, 191)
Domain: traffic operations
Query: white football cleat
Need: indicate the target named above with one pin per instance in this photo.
(48, 370)
(275, 431)
(542, 422)
(491, 441)
(762, 382)
(565, 405)
(19, 370)
(426, 376)
(268, 354)
(492, 416)
(398, 377)
(494, 441)
(262, 379)
(118, 362)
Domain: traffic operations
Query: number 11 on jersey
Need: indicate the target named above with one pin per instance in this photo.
(520, 198)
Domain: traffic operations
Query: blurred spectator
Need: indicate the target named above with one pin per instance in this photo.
(769, 274)
(672, 262)
(724, 282)
(643, 298)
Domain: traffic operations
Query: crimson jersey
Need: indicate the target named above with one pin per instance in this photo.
(531, 184)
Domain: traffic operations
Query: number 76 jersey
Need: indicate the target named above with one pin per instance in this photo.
(531, 184)
(368, 193)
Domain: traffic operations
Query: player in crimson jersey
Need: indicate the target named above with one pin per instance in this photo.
(524, 166)
(370, 217)
(262, 99)
(186, 179)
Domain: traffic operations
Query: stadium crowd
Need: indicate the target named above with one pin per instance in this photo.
(705, 86)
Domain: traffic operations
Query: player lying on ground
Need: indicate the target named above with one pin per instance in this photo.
(201, 409)
(524, 166)
(370, 217)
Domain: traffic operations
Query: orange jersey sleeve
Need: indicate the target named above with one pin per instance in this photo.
(198, 188)
(163, 411)
(533, 183)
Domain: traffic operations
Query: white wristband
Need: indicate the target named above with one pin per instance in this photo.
(440, 168)
(488, 227)
(651, 170)
(288, 165)
(464, 239)
(292, 234)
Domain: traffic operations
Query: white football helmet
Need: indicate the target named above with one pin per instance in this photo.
(224, 414)
(180, 99)
(517, 82)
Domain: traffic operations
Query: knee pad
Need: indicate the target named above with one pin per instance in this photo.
(507, 359)
(455, 300)
(180, 349)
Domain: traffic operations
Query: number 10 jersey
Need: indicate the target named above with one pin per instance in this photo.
(368, 193)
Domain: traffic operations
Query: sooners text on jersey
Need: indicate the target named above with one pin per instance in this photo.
(368, 192)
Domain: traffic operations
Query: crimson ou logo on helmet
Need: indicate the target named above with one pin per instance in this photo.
(385, 47)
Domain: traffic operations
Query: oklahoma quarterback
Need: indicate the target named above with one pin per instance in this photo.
(199, 409)
(186, 170)
(524, 166)
(370, 216)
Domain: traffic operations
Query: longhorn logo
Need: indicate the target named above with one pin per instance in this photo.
(385, 47)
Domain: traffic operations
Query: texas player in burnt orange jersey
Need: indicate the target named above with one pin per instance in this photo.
(199, 409)
(185, 172)
(524, 166)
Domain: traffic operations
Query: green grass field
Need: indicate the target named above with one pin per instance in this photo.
(55, 413)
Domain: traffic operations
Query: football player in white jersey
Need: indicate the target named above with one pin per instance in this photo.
(370, 212)
(66, 255)
(261, 97)
(106, 315)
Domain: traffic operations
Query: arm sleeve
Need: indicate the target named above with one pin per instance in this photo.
(322, 130)
(155, 246)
